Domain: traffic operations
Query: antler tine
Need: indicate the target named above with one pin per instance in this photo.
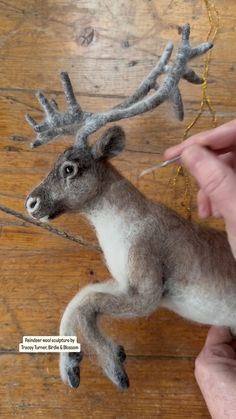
(69, 93)
(185, 31)
(57, 123)
(150, 81)
(177, 103)
(46, 105)
(54, 104)
(74, 120)
(31, 121)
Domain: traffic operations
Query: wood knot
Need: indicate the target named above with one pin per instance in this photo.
(86, 36)
(125, 44)
(12, 148)
(132, 63)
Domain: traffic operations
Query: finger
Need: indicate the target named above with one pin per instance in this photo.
(231, 234)
(215, 178)
(179, 148)
(217, 138)
(204, 205)
(218, 335)
(205, 208)
(228, 159)
(233, 345)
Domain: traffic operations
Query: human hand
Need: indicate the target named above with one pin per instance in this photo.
(211, 158)
(215, 372)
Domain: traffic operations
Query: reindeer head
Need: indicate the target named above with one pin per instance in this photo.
(77, 176)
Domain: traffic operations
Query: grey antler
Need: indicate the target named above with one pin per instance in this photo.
(74, 120)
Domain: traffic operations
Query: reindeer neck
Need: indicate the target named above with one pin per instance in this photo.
(117, 198)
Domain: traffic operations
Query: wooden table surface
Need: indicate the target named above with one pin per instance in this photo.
(107, 47)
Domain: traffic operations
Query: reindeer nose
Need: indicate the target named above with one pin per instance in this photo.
(32, 204)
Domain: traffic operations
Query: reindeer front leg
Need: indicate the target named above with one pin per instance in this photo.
(78, 317)
(141, 297)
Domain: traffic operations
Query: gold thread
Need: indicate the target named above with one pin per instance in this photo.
(214, 20)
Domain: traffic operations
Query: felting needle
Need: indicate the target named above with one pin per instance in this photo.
(160, 165)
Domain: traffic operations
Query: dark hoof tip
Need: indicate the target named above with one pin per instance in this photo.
(123, 381)
(36, 144)
(74, 377)
(121, 354)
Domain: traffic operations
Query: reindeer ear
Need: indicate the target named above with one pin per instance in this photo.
(110, 144)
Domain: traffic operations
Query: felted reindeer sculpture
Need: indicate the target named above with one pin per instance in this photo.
(155, 257)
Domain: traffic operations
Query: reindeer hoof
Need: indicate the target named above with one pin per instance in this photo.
(121, 354)
(123, 380)
(70, 369)
(73, 369)
(74, 377)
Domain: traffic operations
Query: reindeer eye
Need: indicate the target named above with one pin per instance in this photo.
(69, 170)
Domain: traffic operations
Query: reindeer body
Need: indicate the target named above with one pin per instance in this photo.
(156, 259)
(192, 287)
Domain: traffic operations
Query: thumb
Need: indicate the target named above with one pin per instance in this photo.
(218, 335)
(217, 180)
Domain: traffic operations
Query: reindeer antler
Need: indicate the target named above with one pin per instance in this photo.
(74, 120)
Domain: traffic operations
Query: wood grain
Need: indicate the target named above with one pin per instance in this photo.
(107, 47)
(151, 396)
